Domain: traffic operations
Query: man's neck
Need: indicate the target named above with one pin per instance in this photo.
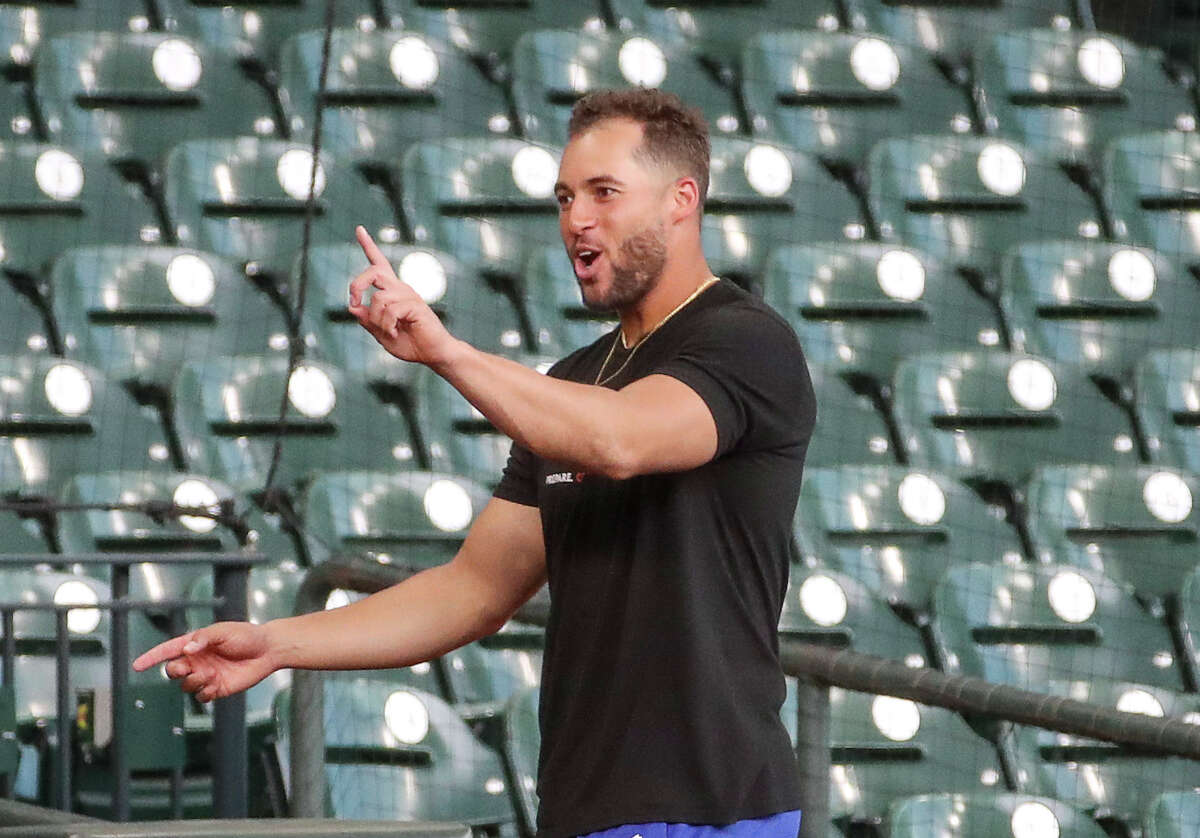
(677, 283)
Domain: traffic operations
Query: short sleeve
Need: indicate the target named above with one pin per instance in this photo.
(748, 367)
(518, 483)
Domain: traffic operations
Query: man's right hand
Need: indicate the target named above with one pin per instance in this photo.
(215, 661)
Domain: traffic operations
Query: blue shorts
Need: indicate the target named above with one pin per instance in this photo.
(782, 825)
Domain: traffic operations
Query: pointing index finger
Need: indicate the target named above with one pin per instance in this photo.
(167, 650)
(374, 254)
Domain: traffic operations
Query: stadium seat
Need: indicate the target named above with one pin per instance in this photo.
(884, 748)
(760, 197)
(453, 433)
(1151, 182)
(1173, 814)
(991, 417)
(898, 529)
(16, 534)
(488, 30)
(859, 307)
(719, 29)
(1069, 92)
(227, 414)
(400, 754)
(832, 609)
(1137, 524)
(484, 675)
(471, 309)
(25, 24)
(490, 202)
(1048, 627)
(16, 120)
(411, 519)
(955, 30)
(1098, 304)
(987, 815)
(522, 744)
(54, 198)
(61, 417)
(552, 69)
(1188, 618)
(22, 329)
(245, 199)
(255, 29)
(836, 94)
(133, 96)
(850, 430)
(142, 312)
(386, 90)
(1113, 784)
(552, 299)
(965, 200)
(1167, 386)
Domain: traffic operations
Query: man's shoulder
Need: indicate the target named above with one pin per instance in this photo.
(569, 366)
(735, 308)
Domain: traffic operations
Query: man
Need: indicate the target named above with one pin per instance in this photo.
(652, 481)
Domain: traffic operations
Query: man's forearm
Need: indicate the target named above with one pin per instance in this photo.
(558, 420)
(421, 618)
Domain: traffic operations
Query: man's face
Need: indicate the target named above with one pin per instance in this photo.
(612, 215)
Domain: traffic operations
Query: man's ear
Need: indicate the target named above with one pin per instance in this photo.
(685, 199)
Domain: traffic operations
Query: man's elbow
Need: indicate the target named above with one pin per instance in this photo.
(617, 460)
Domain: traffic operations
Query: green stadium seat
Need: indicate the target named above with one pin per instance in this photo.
(955, 30)
(456, 435)
(10, 753)
(760, 197)
(25, 24)
(245, 199)
(1069, 92)
(987, 815)
(470, 308)
(552, 69)
(561, 322)
(255, 29)
(859, 307)
(490, 202)
(898, 529)
(835, 94)
(1112, 784)
(1167, 387)
(411, 519)
(719, 29)
(965, 200)
(522, 744)
(484, 675)
(1049, 627)
(1138, 525)
(1151, 184)
(850, 430)
(1188, 618)
(828, 608)
(61, 417)
(386, 90)
(991, 417)
(396, 753)
(884, 748)
(1098, 304)
(142, 312)
(54, 198)
(1173, 814)
(488, 30)
(133, 96)
(16, 120)
(227, 415)
(17, 535)
(22, 329)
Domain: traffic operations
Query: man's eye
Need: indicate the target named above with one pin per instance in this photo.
(563, 200)
(605, 191)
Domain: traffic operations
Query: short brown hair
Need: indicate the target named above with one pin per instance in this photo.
(673, 133)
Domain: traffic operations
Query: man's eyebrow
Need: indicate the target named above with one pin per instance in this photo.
(592, 181)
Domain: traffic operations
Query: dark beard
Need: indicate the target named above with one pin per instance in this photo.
(643, 256)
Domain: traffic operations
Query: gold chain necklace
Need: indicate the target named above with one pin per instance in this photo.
(620, 336)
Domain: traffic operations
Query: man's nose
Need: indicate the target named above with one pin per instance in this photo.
(580, 217)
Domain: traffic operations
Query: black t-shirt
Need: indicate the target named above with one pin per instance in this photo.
(661, 682)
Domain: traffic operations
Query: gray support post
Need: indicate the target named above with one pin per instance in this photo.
(65, 712)
(230, 773)
(307, 746)
(812, 756)
(120, 693)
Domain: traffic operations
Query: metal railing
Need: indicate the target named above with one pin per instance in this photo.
(817, 667)
(231, 573)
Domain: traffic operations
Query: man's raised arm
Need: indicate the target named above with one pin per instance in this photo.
(501, 564)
